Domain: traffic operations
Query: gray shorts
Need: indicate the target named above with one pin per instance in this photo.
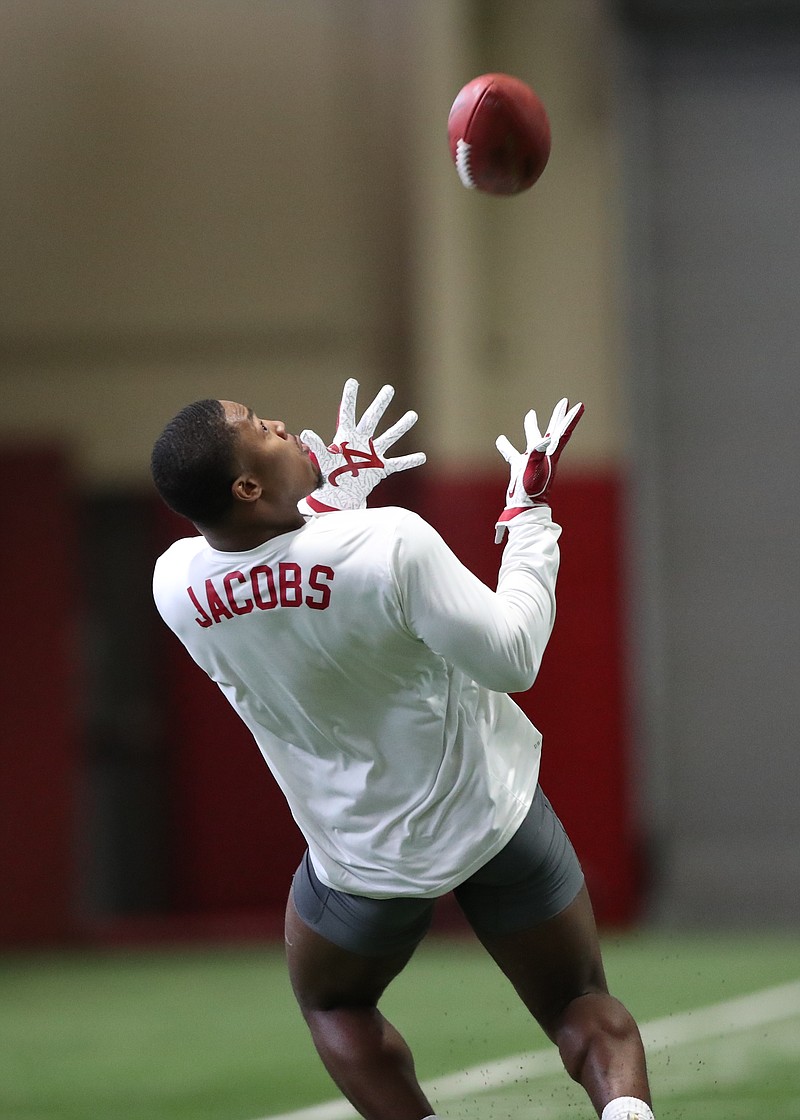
(533, 878)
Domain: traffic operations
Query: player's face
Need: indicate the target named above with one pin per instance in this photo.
(281, 462)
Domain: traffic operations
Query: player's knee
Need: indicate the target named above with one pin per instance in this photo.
(330, 1024)
(588, 1022)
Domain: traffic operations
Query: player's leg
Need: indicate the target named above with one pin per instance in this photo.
(338, 990)
(557, 970)
(531, 910)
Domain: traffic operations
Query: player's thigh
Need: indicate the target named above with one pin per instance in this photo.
(325, 976)
(343, 950)
(530, 908)
(553, 962)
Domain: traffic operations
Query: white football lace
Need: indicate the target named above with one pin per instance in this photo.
(462, 164)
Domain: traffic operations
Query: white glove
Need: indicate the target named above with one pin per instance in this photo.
(354, 463)
(533, 470)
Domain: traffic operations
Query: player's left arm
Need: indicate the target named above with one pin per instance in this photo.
(497, 637)
(356, 461)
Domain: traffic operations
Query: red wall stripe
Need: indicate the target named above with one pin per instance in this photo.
(40, 674)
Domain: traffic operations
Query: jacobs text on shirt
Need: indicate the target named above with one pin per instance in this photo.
(263, 587)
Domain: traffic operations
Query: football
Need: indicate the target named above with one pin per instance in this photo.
(499, 135)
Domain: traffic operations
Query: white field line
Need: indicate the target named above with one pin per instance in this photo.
(728, 1017)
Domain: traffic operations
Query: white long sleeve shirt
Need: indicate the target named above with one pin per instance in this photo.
(372, 669)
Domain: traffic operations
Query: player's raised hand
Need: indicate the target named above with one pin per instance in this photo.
(533, 470)
(355, 461)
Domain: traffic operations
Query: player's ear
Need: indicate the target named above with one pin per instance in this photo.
(245, 488)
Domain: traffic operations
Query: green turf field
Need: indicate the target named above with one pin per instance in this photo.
(213, 1034)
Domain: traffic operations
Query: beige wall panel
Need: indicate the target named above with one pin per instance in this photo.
(194, 203)
(555, 257)
(109, 418)
(213, 198)
(517, 298)
(178, 164)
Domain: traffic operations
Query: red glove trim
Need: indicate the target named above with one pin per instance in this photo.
(507, 514)
(320, 507)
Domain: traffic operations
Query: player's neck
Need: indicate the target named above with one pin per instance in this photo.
(244, 538)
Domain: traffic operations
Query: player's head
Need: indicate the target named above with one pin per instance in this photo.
(193, 462)
(216, 457)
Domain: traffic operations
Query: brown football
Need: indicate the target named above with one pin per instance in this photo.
(499, 135)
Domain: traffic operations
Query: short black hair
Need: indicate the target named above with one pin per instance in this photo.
(193, 462)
